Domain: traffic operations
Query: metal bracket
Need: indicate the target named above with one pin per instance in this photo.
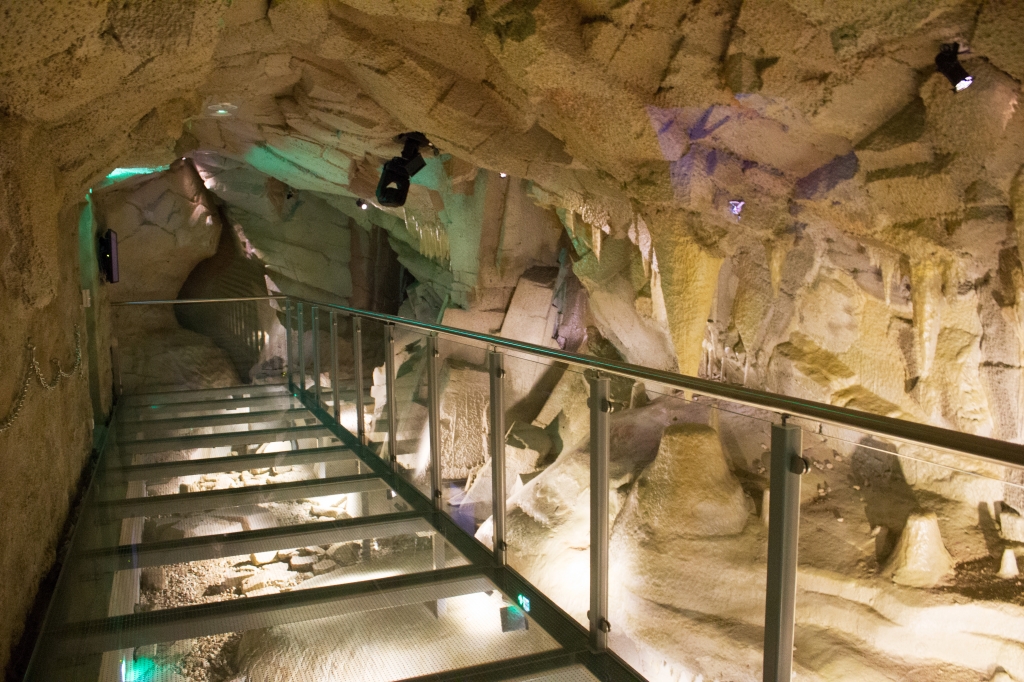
(799, 465)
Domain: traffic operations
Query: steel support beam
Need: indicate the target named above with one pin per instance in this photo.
(315, 343)
(389, 380)
(208, 421)
(599, 524)
(301, 343)
(209, 500)
(216, 440)
(203, 620)
(335, 373)
(434, 418)
(357, 368)
(787, 465)
(174, 397)
(289, 345)
(156, 413)
(208, 547)
(497, 438)
(195, 467)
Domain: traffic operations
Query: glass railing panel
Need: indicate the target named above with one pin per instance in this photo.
(192, 346)
(375, 416)
(547, 479)
(464, 431)
(340, 373)
(908, 561)
(406, 631)
(412, 407)
(688, 543)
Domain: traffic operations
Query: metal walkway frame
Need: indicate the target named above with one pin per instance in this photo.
(94, 639)
(159, 413)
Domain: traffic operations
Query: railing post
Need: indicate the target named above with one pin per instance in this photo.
(335, 395)
(497, 372)
(315, 325)
(434, 416)
(357, 367)
(599, 525)
(389, 388)
(115, 367)
(301, 331)
(787, 466)
(288, 344)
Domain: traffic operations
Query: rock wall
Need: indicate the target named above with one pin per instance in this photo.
(85, 88)
(43, 449)
(777, 193)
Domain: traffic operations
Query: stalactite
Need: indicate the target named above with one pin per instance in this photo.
(890, 266)
(926, 297)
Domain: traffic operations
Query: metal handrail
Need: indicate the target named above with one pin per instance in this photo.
(989, 449)
(181, 301)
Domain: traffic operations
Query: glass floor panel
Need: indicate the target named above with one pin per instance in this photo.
(258, 547)
(405, 632)
(296, 568)
(576, 673)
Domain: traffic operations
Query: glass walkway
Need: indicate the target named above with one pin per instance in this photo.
(335, 526)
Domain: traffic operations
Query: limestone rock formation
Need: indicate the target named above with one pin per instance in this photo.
(919, 558)
(688, 490)
(464, 419)
(781, 194)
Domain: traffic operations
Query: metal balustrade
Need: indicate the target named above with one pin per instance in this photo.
(488, 566)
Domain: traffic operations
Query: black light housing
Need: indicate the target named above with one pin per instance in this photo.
(948, 64)
(107, 254)
(393, 188)
(362, 204)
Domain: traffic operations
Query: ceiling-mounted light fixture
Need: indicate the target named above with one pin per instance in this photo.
(393, 187)
(362, 204)
(948, 64)
(222, 110)
(502, 175)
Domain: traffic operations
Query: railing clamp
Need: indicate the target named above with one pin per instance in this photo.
(799, 465)
(502, 545)
(602, 624)
(437, 494)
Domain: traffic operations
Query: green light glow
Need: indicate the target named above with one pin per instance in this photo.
(141, 670)
(119, 174)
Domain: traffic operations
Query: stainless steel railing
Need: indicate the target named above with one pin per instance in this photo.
(787, 463)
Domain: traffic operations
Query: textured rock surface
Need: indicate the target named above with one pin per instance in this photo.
(920, 559)
(876, 262)
(687, 490)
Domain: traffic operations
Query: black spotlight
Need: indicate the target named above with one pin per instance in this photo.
(362, 204)
(393, 187)
(948, 64)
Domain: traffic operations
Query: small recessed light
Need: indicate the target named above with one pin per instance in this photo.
(503, 175)
(362, 204)
(223, 109)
